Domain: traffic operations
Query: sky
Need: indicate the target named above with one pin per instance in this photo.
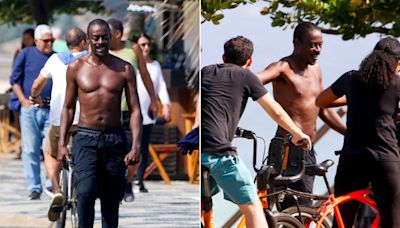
(271, 44)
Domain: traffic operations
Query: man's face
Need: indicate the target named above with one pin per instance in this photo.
(45, 43)
(310, 46)
(99, 40)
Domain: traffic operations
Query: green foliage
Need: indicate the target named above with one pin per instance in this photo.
(349, 18)
(42, 11)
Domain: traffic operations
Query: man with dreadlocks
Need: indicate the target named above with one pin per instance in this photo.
(297, 81)
(370, 152)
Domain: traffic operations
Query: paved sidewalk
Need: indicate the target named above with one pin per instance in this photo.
(175, 205)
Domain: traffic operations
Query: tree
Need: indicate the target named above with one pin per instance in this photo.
(43, 11)
(349, 18)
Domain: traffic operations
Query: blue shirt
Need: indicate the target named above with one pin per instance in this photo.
(27, 67)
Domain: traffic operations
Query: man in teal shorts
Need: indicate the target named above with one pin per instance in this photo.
(225, 89)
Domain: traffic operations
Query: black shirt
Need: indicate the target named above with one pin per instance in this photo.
(370, 118)
(225, 89)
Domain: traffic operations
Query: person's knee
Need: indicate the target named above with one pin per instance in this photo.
(251, 209)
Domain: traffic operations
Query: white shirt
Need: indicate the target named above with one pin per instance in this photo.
(160, 88)
(57, 71)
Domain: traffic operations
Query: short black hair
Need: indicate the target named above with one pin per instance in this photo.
(97, 21)
(116, 24)
(238, 50)
(74, 37)
(303, 28)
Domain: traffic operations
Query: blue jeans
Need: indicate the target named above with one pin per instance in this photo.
(34, 122)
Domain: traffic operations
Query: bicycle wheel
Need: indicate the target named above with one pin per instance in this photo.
(286, 221)
(64, 189)
(309, 216)
(73, 204)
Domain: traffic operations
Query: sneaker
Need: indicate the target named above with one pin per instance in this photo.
(142, 188)
(129, 196)
(34, 195)
(49, 192)
(55, 207)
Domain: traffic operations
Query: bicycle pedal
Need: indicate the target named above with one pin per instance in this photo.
(281, 197)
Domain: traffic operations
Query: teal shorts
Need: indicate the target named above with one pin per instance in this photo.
(229, 173)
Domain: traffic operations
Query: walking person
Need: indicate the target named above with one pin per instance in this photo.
(34, 120)
(99, 151)
(157, 78)
(55, 69)
(132, 53)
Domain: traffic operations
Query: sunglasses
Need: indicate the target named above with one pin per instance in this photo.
(48, 40)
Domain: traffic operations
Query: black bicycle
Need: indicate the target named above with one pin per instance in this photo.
(67, 183)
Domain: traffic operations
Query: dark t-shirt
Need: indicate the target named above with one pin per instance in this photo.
(370, 117)
(225, 89)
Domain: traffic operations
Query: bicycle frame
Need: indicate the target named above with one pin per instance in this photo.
(333, 205)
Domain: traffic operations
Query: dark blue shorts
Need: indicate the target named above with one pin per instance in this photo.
(99, 162)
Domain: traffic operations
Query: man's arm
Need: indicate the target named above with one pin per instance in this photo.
(37, 88)
(132, 100)
(17, 77)
(68, 111)
(144, 73)
(278, 114)
(329, 116)
(270, 73)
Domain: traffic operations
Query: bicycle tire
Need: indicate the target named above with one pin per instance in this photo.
(308, 215)
(73, 204)
(64, 188)
(286, 221)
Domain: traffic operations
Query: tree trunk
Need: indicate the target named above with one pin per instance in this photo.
(40, 11)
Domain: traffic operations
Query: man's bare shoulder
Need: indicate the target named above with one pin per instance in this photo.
(75, 65)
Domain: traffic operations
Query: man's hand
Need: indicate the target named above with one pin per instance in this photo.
(302, 140)
(166, 112)
(35, 101)
(63, 152)
(153, 108)
(25, 102)
(132, 158)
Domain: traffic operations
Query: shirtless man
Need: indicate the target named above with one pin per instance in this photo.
(297, 81)
(99, 147)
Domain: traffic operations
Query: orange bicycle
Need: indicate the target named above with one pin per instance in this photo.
(322, 216)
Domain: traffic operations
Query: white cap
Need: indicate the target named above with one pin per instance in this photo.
(40, 30)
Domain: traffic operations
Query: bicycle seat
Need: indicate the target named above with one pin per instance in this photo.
(319, 169)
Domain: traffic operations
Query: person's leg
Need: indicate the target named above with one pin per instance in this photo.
(52, 165)
(351, 175)
(85, 163)
(234, 178)
(30, 138)
(254, 215)
(386, 188)
(113, 180)
(43, 117)
(146, 132)
(129, 196)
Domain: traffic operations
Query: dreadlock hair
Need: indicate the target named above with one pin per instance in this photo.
(238, 50)
(379, 68)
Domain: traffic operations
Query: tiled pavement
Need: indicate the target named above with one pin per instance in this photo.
(175, 205)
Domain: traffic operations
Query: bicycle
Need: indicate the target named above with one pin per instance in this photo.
(264, 173)
(67, 183)
(331, 203)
